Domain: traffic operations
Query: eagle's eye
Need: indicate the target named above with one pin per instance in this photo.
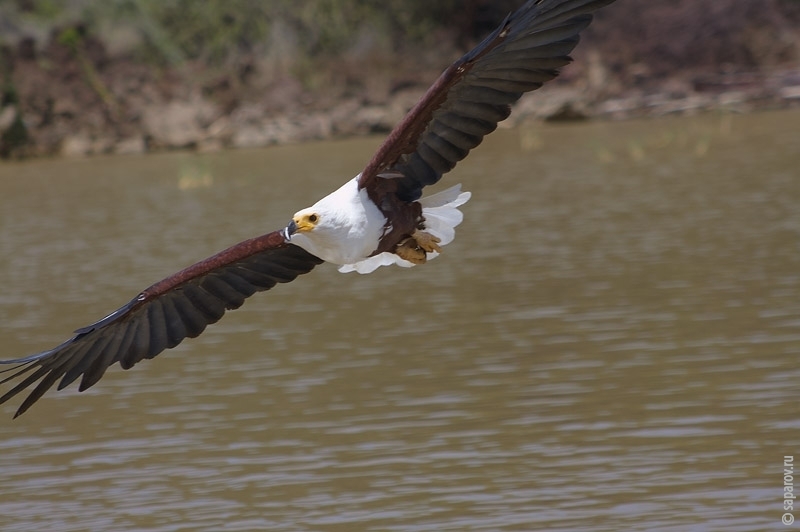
(312, 218)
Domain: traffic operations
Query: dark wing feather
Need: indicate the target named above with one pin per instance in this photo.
(476, 92)
(179, 307)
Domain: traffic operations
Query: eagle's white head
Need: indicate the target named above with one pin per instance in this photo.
(344, 227)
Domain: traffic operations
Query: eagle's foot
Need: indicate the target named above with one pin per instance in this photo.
(427, 241)
(415, 248)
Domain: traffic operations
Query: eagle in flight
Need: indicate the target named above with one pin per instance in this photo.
(378, 218)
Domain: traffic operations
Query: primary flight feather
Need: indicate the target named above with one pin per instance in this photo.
(376, 219)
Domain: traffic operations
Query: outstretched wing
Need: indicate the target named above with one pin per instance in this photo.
(160, 317)
(476, 92)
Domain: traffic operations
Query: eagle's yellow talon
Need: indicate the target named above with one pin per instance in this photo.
(410, 251)
(415, 248)
(427, 241)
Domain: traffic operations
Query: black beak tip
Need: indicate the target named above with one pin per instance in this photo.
(290, 230)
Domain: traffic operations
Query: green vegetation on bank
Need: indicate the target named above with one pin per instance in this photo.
(101, 76)
(173, 31)
(673, 34)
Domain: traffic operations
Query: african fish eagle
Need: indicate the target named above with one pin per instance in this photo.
(378, 218)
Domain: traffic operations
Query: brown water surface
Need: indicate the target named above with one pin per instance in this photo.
(610, 343)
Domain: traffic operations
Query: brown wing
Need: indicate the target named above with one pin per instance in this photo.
(476, 92)
(163, 315)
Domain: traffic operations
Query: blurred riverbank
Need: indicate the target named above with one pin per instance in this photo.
(80, 83)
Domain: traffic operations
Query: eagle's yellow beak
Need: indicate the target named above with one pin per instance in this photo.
(302, 223)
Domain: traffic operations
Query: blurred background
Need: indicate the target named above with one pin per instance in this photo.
(84, 77)
(610, 342)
